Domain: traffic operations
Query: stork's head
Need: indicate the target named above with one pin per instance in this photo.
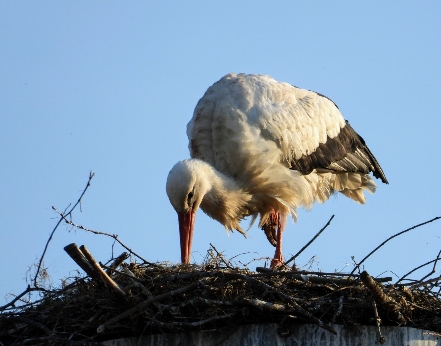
(186, 187)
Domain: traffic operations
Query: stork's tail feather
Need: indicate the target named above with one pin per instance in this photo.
(352, 185)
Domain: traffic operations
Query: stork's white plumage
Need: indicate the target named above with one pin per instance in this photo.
(264, 148)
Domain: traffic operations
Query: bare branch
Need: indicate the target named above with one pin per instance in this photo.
(69, 213)
(194, 324)
(381, 297)
(421, 266)
(390, 238)
(74, 252)
(381, 338)
(120, 259)
(101, 273)
(310, 242)
(141, 305)
(114, 236)
(221, 256)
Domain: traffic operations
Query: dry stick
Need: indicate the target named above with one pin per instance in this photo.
(194, 324)
(136, 283)
(123, 272)
(120, 259)
(319, 278)
(340, 308)
(74, 252)
(264, 305)
(433, 269)
(419, 284)
(141, 305)
(395, 235)
(114, 236)
(185, 276)
(91, 174)
(49, 294)
(387, 302)
(258, 303)
(17, 298)
(33, 323)
(296, 307)
(265, 274)
(221, 256)
(309, 243)
(419, 267)
(102, 274)
(381, 338)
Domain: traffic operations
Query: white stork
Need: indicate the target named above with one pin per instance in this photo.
(264, 148)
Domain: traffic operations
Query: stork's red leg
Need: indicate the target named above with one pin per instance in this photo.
(278, 256)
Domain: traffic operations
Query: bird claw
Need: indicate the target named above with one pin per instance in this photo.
(270, 235)
(270, 228)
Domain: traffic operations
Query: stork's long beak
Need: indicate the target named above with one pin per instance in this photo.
(186, 226)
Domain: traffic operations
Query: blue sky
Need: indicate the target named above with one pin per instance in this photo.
(109, 86)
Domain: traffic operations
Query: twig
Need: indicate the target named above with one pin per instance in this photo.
(194, 324)
(141, 305)
(101, 273)
(424, 283)
(91, 174)
(292, 301)
(390, 238)
(309, 243)
(419, 267)
(340, 308)
(381, 338)
(74, 252)
(33, 323)
(258, 303)
(221, 257)
(114, 236)
(264, 305)
(136, 283)
(381, 297)
(120, 259)
(301, 275)
(306, 276)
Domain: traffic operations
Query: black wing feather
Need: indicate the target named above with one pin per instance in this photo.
(347, 152)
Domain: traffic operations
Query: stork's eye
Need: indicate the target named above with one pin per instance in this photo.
(190, 195)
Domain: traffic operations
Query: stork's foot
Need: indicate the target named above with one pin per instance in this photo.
(277, 262)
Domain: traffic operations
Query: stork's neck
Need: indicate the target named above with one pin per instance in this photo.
(225, 200)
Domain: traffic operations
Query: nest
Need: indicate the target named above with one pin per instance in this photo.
(133, 299)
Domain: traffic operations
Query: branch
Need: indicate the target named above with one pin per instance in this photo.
(295, 306)
(319, 277)
(381, 338)
(419, 267)
(91, 174)
(390, 238)
(221, 256)
(114, 236)
(309, 243)
(194, 324)
(381, 297)
(141, 305)
(74, 252)
(116, 263)
(101, 273)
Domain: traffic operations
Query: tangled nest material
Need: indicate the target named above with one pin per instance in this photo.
(133, 298)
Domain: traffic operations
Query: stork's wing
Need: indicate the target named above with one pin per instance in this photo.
(242, 114)
(346, 152)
